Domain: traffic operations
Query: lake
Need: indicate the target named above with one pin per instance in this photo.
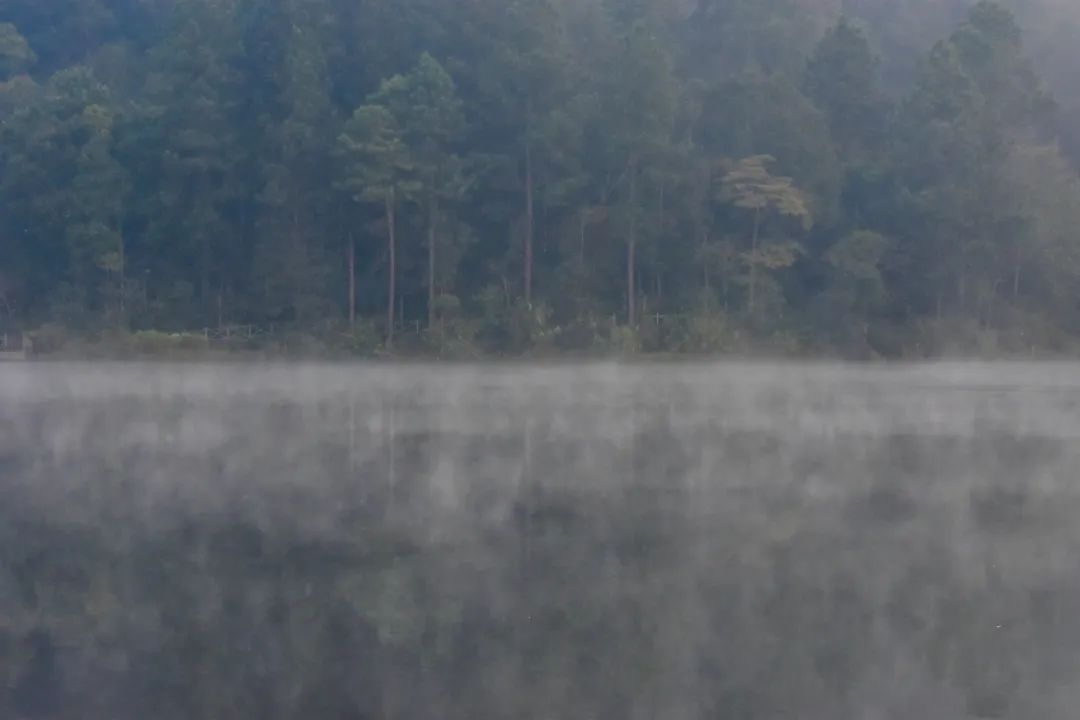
(677, 541)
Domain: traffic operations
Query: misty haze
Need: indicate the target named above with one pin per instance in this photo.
(539, 359)
(504, 541)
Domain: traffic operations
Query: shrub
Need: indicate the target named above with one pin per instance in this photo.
(49, 338)
(708, 334)
(625, 341)
(155, 342)
(361, 339)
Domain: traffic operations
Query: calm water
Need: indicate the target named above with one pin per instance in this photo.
(596, 541)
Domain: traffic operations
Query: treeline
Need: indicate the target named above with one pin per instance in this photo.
(677, 175)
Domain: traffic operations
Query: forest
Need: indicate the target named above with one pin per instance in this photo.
(866, 178)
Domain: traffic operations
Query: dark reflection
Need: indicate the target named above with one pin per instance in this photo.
(579, 543)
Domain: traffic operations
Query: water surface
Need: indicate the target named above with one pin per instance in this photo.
(569, 541)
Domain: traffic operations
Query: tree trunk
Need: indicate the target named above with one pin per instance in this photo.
(657, 286)
(432, 210)
(351, 255)
(962, 281)
(529, 220)
(204, 270)
(391, 292)
(754, 260)
(123, 278)
(1016, 275)
(631, 251)
(705, 261)
(581, 241)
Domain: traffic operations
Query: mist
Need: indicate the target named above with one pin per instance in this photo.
(572, 541)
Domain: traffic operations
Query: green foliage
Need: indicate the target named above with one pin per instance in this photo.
(16, 56)
(707, 332)
(153, 343)
(750, 186)
(548, 162)
(49, 338)
(841, 79)
(857, 259)
(624, 341)
(362, 340)
(511, 326)
(376, 161)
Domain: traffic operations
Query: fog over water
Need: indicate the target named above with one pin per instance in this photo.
(602, 541)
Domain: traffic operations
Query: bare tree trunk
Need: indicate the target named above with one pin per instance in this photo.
(705, 261)
(754, 260)
(1016, 275)
(942, 280)
(391, 292)
(351, 255)
(581, 241)
(431, 264)
(657, 283)
(662, 220)
(961, 290)
(529, 220)
(631, 252)
(204, 271)
(989, 306)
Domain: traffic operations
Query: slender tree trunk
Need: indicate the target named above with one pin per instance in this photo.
(662, 220)
(942, 280)
(529, 220)
(725, 284)
(432, 211)
(581, 241)
(961, 290)
(631, 252)
(123, 277)
(657, 283)
(204, 270)
(989, 306)
(705, 261)
(754, 260)
(351, 256)
(391, 292)
(1016, 275)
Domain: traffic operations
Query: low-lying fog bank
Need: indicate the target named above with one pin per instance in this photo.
(601, 541)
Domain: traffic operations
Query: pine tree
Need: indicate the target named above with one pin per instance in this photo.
(428, 111)
(750, 186)
(641, 103)
(377, 168)
(841, 79)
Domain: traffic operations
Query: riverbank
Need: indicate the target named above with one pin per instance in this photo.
(667, 339)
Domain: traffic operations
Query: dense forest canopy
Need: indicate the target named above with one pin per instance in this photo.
(862, 176)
